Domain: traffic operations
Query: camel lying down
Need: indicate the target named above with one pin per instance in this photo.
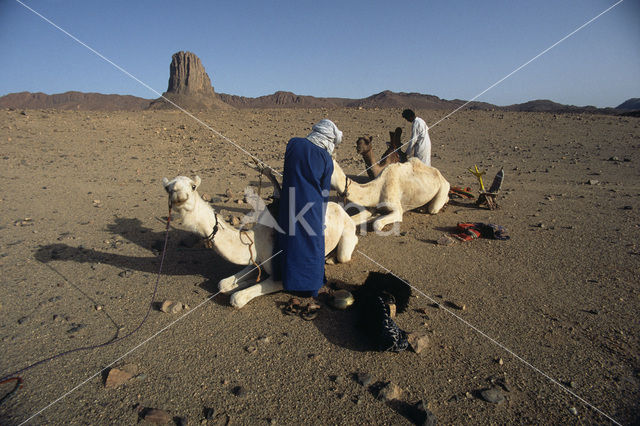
(398, 188)
(236, 245)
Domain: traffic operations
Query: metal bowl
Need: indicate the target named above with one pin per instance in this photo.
(342, 299)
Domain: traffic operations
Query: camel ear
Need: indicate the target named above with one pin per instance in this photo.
(165, 182)
(197, 181)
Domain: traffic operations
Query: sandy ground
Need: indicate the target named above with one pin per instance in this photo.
(82, 222)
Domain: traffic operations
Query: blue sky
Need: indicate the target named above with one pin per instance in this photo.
(353, 49)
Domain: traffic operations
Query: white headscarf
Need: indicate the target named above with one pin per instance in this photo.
(325, 134)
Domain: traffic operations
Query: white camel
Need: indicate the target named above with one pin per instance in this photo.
(249, 247)
(400, 187)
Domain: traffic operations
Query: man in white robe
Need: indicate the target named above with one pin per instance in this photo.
(420, 144)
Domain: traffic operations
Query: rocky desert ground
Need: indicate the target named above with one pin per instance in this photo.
(550, 318)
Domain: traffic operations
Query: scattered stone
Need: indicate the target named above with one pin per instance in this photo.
(614, 158)
(76, 328)
(424, 417)
(98, 307)
(239, 391)
(263, 340)
(418, 342)
(209, 413)
(27, 221)
(500, 361)
(504, 385)
(157, 416)
(228, 193)
(446, 240)
(390, 392)
(130, 368)
(492, 395)
(573, 411)
(251, 349)
(337, 379)
(593, 182)
(171, 307)
(364, 379)
(126, 273)
(235, 221)
(458, 306)
(206, 197)
(23, 320)
(116, 377)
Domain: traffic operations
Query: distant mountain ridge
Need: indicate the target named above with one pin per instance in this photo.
(632, 104)
(281, 99)
(74, 100)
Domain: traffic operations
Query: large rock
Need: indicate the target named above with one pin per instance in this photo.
(189, 85)
(188, 77)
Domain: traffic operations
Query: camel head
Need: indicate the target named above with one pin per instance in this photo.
(182, 191)
(363, 145)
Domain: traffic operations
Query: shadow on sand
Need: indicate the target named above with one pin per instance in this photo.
(185, 254)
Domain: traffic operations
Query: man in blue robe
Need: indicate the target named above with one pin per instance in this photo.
(301, 217)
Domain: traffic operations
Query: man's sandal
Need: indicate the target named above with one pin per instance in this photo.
(292, 307)
(310, 311)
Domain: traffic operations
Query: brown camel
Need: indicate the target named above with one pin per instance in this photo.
(393, 154)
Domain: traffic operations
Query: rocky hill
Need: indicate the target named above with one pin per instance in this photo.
(545, 105)
(283, 99)
(73, 100)
(632, 104)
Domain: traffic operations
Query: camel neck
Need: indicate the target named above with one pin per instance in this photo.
(368, 157)
(226, 241)
(367, 195)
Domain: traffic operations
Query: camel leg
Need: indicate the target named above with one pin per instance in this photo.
(394, 216)
(242, 297)
(347, 243)
(231, 283)
(345, 248)
(361, 217)
(441, 198)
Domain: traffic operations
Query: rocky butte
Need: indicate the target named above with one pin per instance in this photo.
(189, 85)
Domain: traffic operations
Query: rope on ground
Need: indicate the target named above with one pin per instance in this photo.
(14, 375)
